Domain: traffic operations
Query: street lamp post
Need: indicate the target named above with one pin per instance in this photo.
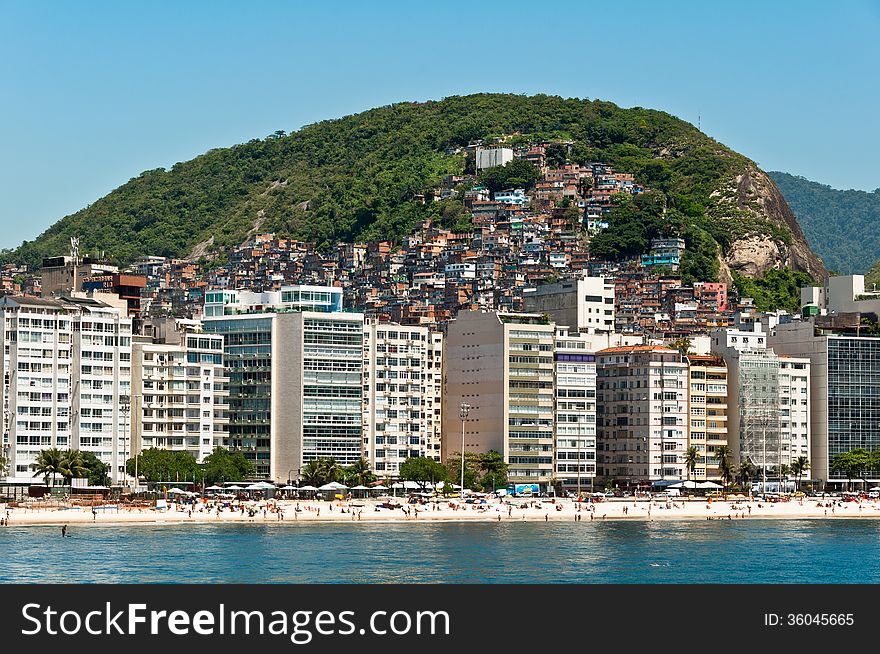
(463, 412)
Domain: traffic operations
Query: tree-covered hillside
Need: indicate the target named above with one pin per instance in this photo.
(841, 226)
(355, 177)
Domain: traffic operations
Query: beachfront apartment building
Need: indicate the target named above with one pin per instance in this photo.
(843, 397)
(501, 365)
(179, 389)
(708, 413)
(574, 370)
(295, 382)
(642, 413)
(770, 398)
(401, 373)
(66, 362)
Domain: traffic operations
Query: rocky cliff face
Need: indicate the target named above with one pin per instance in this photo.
(767, 234)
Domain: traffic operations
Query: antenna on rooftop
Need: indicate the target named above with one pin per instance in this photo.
(698, 123)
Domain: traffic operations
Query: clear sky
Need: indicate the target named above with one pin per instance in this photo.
(92, 93)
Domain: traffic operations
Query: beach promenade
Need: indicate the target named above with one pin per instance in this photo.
(290, 512)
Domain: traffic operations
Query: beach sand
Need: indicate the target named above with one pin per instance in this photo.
(497, 511)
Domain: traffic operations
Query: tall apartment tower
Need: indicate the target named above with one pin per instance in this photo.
(295, 381)
(642, 398)
(763, 426)
(66, 363)
(401, 373)
(575, 412)
(843, 401)
(708, 413)
(501, 364)
(179, 384)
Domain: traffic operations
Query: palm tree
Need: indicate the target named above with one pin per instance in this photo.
(784, 471)
(330, 469)
(311, 473)
(691, 456)
(798, 467)
(747, 472)
(73, 464)
(359, 472)
(48, 464)
(723, 455)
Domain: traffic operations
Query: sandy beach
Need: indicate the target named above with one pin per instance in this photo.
(451, 511)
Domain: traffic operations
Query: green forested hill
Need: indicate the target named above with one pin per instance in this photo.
(842, 227)
(355, 177)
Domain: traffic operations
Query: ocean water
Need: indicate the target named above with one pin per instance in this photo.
(744, 551)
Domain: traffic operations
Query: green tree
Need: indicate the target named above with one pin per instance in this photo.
(312, 474)
(471, 468)
(724, 455)
(691, 457)
(330, 469)
(784, 472)
(98, 472)
(359, 473)
(493, 469)
(423, 470)
(158, 465)
(223, 465)
(518, 173)
(798, 467)
(746, 472)
(73, 465)
(50, 462)
(853, 464)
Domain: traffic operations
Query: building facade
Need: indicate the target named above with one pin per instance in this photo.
(708, 413)
(642, 405)
(66, 363)
(501, 364)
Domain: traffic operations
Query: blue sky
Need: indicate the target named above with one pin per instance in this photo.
(93, 93)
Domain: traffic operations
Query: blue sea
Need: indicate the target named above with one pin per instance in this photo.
(744, 551)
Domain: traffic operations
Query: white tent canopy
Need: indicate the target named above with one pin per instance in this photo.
(708, 484)
(307, 488)
(360, 488)
(684, 484)
(333, 485)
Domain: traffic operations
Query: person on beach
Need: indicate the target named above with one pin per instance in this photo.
(63, 531)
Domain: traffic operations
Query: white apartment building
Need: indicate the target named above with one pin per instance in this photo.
(584, 304)
(401, 374)
(768, 396)
(575, 417)
(491, 157)
(642, 398)
(179, 398)
(66, 362)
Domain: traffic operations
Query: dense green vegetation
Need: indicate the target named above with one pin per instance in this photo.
(355, 177)
(840, 226)
(775, 289)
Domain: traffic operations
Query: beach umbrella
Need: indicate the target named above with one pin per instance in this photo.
(255, 487)
(288, 487)
(380, 487)
(177, 491)
(307, 488)
(234, 487)
(328, 487)
(708, 484)
(360, 488)
(214, 488)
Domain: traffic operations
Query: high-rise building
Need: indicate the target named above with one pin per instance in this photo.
(764, 426)
(575, 416)
(642, 404)
(583, 304)
(708, 409)
(843, 401)
(66, 363)
(501, 365)
(401, 373)
(295, 384)
(179, 398)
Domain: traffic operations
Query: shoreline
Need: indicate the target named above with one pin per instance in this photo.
(660, 511)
